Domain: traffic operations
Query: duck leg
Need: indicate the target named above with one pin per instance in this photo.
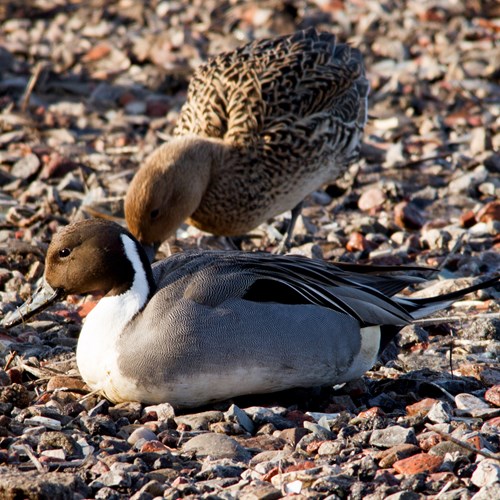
(284, 246)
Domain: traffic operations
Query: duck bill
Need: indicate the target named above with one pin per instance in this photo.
(41, 299)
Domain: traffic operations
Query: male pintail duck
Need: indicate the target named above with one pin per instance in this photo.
(201, 327)
(263, 126)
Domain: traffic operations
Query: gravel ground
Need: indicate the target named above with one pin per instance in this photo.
(88, 89)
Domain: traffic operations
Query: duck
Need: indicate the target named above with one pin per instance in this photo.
(262, 127)
(206, 326)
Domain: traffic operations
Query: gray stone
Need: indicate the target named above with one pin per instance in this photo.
(164, 411)
(469, 402)
(130, 410)
(236, 414)
(488, 492)
(319, 431)
(116, 478)
(216, 446)
(26, 166)
(441, 412)
(486, 473)
(141, 433)
(392, 436)
(48, 485)
(200, 421)
(404, 495)
(261, 415)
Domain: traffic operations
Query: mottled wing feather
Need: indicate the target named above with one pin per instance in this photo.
(303, 84)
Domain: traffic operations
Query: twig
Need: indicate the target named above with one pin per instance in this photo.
(463, 444)
(11, 358)
(31, 85)
(39, 467)
(451, 319)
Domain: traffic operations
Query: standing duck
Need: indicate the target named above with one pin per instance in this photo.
(201, 327)
(263, 126)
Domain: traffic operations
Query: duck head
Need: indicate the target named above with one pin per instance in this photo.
(82, 258)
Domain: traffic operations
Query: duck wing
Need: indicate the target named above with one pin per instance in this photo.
(289, 84)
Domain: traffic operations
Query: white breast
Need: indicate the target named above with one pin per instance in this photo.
(97, 351)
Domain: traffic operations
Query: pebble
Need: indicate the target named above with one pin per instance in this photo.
(492, 395)
(26, 167)
(200, 421)
(236, 414)
(261, 415)
(141, 433)
(389, 457)
(392, 436)
(418, 463)
(49, 423)
(319, 431)
(421, 407)
(488, 492)
(441, 412)
(216, 446)
(487, 472)
(164, 411)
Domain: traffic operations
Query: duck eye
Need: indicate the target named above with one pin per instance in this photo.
(154, 213)
(64, 252)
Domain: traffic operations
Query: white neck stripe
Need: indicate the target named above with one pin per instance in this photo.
(140, 285)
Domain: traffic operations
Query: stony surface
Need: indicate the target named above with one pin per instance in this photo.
(89, 89)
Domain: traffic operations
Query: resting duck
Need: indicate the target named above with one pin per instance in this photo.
(201, 327)
(263, 126)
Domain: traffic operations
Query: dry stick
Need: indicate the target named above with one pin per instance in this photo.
(40, 468)
(463, 444)
(31, 85)
(11, 357)
(450, 319)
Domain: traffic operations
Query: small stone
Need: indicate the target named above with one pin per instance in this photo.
(236, 414)
(371, 200)
(404, 495)
(164, 411)
(259, 490)
(420, 408)
(65, 382)
(387, 458)
(141, 433)
(50, 440)
(490, 212)
(491, 426)
(49, 423)
(492, 395)
(293, 435)
(427, 440)
(488, 492)
(200, 421)
(261, 415)
(486, 473)
(319, 431)
(116, 478)
(392, 436)
(440, 413)
(468, 219)
(418, 463)
(469, 402)
(129, 410)
(358, 243)
(408, 216)
(216, 446)
(444, 447)
(26, 167)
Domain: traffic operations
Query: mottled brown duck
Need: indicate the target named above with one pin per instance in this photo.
(263, 126)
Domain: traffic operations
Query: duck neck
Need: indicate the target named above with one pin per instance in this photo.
(198, 158)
